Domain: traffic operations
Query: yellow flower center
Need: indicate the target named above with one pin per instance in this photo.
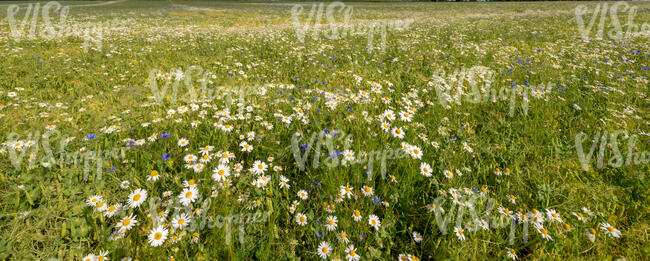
(157, 236)
(188, 194)
(137, 197)
(126, 222)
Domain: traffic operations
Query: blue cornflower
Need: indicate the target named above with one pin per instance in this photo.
(164, 135)
(166, 156)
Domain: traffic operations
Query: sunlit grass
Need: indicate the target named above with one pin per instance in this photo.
(44, 211)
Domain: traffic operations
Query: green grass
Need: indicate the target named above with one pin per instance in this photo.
(43, 213)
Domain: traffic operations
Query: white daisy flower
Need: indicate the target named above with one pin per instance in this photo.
(157, 236)
(126, 223)
(181, 221)
(374, 221)
(137, 197)
(188, 195)
(324, 250)
(301, 219)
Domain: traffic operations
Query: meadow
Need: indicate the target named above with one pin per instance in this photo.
(196, 130)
